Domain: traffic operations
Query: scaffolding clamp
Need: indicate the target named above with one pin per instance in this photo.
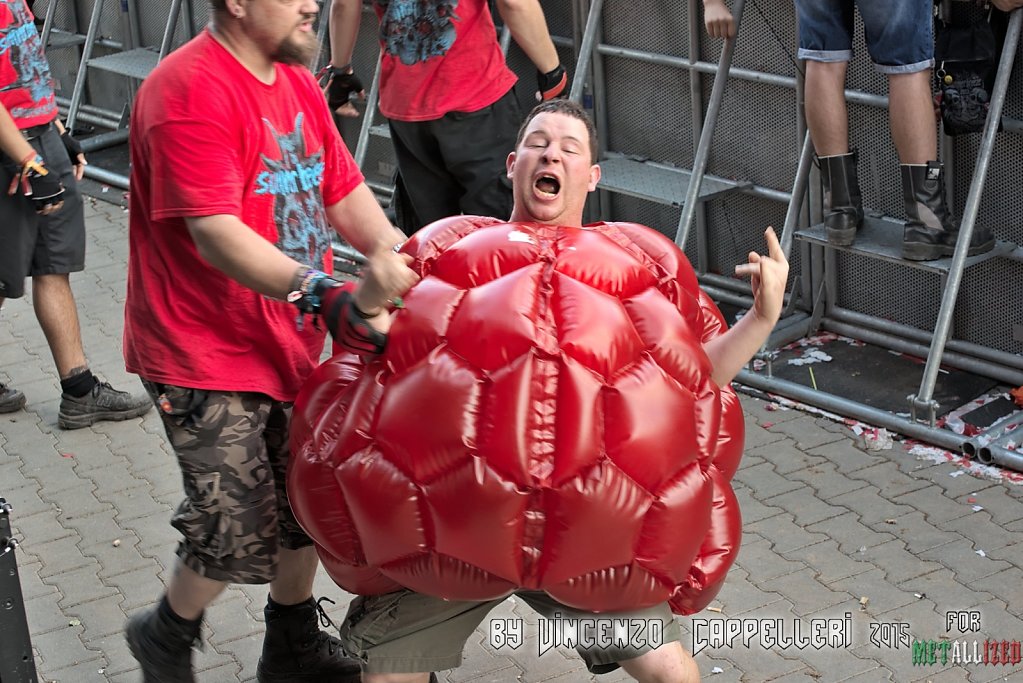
(928, 409)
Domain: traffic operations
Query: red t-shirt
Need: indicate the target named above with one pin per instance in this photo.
(438, 56)
(26, 86)
(209, 138)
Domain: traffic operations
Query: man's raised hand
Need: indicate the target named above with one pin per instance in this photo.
(768, 277)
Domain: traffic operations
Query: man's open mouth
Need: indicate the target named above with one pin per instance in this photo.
(548, 185)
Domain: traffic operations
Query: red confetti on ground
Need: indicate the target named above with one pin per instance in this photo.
(767, 425)
(67, 455)
(971, 500)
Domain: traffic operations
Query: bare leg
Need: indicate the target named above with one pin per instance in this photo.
(189, 593)
(395, 678)
(670, 663)
(826, 114)
(293, 582)
(55, 309)
(911, 114)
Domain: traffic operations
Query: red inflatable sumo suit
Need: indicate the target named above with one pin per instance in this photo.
(543, 417)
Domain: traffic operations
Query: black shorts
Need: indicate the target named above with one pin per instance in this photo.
(456, 164)
(41, 245)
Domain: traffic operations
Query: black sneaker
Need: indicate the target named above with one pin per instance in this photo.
(295, 649)
(162, 647)
(101, 404)
(10, 399)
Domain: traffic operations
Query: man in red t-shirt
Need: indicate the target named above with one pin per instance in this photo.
(449, 96)
(238, 173)
(42, 222)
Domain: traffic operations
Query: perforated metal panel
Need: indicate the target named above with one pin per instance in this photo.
(736, 225)
(755, 137)
(661, 27)
(766, 42)
(648, 111)
(989, 310)
(889, 291)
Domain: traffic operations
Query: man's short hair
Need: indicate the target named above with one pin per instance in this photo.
(568, 108)
(219, 5)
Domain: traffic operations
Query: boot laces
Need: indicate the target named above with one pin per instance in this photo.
(317, 637)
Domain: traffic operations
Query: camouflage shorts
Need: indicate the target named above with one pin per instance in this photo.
(233, 451)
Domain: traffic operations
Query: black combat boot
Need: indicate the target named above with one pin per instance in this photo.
(843, 205)
(162, 644)
(295, 649)
(931, 231)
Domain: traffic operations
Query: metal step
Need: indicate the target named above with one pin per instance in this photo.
(658, 182)
(137, 63)
(880, 237)
(59, 39)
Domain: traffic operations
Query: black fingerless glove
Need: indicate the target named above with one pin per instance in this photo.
(552, 84)
(73, 147)
(341, 88)
(317, 293)
(37, 183)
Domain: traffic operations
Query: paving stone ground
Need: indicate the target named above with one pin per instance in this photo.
(830, 529)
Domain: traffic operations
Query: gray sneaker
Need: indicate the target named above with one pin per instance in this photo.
(10, 399)
(103, 403)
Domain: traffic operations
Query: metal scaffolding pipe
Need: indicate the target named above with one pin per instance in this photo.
(717, 95)
(107, 177)
(696, 116)
(853, 96)
(103, 140)
(83, 66)
(98, 112)
(956, 360)
(729, 283)
(582, 64)
(995, 455)
(348, 252)
(955, 273)
(380, 188)
(171, 26)
(362, 145)
(986, 451)
(842, 406)
(726, 296)
(97, 120)
(788, 330)
(798, 193)
(968, 348)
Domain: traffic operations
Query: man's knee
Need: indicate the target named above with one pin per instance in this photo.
(827, 70)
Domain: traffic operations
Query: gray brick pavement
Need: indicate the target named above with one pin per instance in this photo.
(826, 524)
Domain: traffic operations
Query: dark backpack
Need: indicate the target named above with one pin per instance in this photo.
(966, 54)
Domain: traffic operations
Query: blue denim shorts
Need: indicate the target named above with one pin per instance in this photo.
(899, 33)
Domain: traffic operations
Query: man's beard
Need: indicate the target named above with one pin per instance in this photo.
(297, 51)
